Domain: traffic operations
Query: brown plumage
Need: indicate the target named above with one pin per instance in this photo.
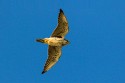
(56, 41)
(54, 53)
(62, 27)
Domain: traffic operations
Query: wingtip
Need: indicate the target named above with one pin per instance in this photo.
(61, 10)
(43, 72)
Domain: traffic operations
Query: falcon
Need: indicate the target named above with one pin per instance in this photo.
(56, 41)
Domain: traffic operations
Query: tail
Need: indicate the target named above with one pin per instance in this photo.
(40, 40)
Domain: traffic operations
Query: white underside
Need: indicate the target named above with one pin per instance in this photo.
(54, 41)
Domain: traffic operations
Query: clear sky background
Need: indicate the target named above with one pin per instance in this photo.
(96, 53)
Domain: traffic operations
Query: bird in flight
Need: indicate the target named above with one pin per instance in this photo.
(56, 41)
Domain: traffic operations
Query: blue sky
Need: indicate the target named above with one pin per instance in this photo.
(96, 53)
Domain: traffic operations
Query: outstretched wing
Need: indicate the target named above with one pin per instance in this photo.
(54, 53)
(62, 27)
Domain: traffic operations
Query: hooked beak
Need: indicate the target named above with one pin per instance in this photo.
(40, 40)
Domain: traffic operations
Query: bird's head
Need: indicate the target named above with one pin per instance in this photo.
(65, 42)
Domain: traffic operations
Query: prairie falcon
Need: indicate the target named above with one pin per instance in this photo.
(55, 41)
